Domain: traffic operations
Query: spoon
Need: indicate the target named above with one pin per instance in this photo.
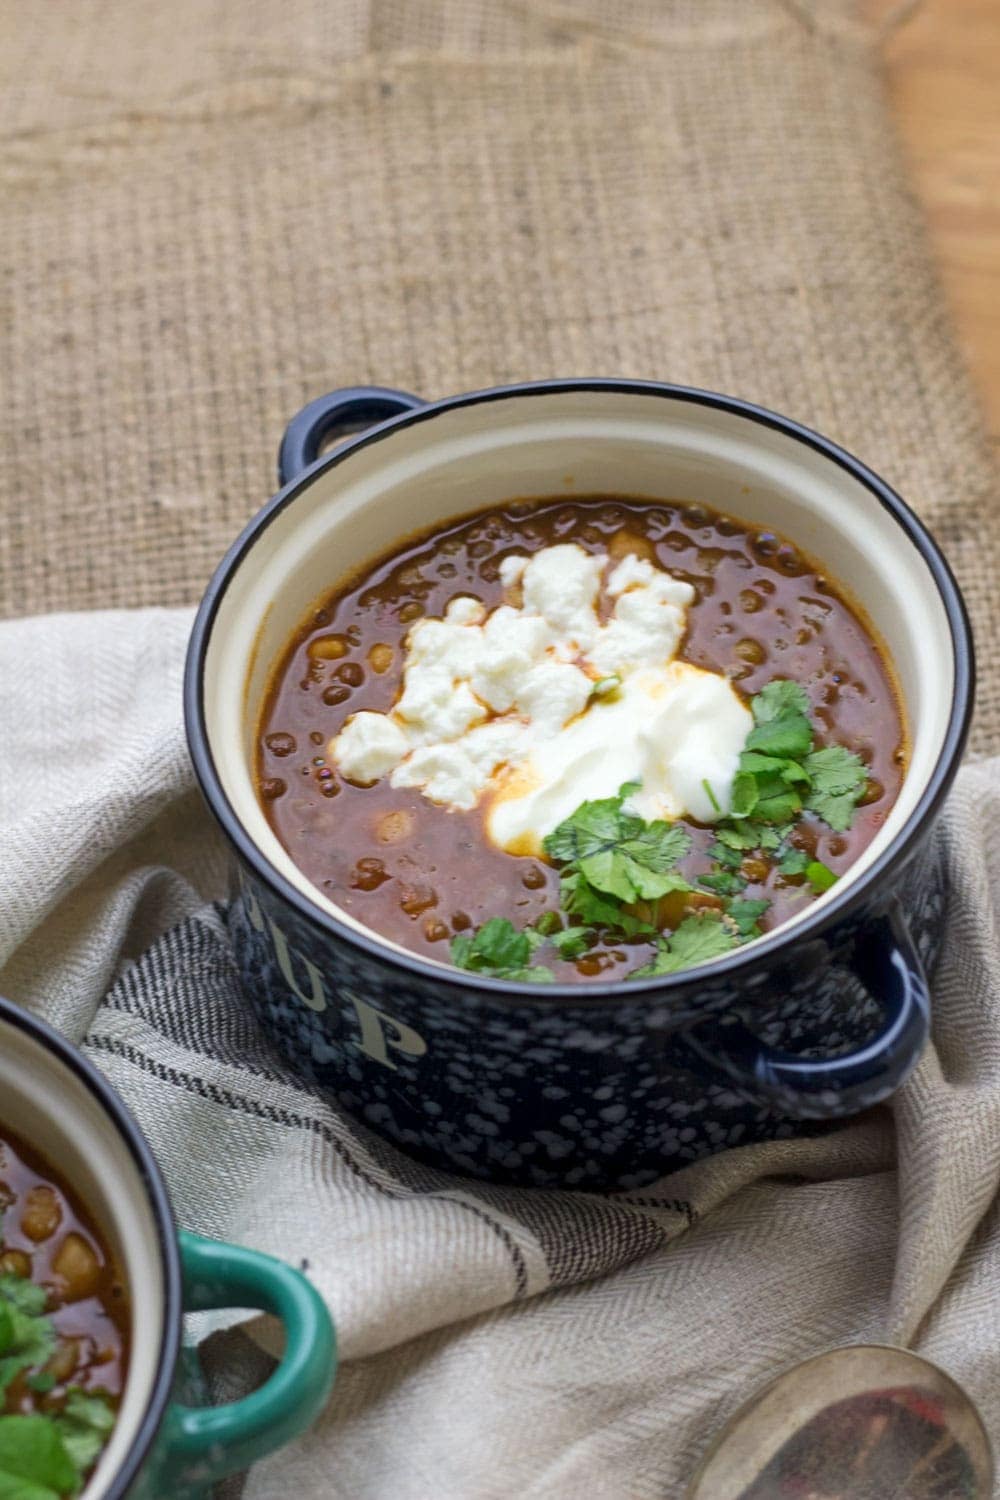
(863, 1422)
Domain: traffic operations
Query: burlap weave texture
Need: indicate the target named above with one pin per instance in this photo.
(211, 214)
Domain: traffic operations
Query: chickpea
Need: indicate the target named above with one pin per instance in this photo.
(15, 1263)
(77, 1265)
(328, 647)
(380, 657)
(64, 1361)
(369, 874)
(42, 1213)
(394, 827)
(417, 899)
(750, 651)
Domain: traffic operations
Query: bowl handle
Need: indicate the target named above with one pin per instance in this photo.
(886, 961)
(351, 409)
(199, 1445)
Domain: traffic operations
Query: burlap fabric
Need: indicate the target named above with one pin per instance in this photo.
(212, 213)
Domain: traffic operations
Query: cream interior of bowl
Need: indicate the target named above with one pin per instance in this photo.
(568, 443)
(45, 1104)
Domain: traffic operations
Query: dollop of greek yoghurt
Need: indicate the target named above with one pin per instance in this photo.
(534, 708)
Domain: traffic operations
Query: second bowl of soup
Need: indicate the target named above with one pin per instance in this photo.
(572, 741)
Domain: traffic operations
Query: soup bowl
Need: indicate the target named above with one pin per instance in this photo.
(52, 1099)
(603, 1085)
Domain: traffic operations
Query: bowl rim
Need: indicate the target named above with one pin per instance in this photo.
(158, 1199)
(765, 950)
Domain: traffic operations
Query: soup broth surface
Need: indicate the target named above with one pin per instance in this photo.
(420, 873)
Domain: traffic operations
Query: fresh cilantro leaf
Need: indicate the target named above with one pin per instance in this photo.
(43, 1382)
(776, 802)
(793, 861)
(771, 767)
(838, 778)
(27, 1296)
(741, 837)
(723, 882)
(85, 1424)
(572, 941)
(728, 857)
(659, 846)
(744, 795)
(820, 876)
(695, 941)
(781, 723)
(27, 1338)
(778, 699)
(746, 914)
(594, 826)
(548, 923)
(581, 900)
(835, 769)
(500, 950)
(617, 853)
(34, 1463)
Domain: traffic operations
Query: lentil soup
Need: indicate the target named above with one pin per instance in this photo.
(64, 1326)
(785, 646)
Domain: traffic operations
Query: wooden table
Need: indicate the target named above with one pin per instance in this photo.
(943, 67)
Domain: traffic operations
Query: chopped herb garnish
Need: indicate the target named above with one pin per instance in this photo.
(34, 1463)
(572, 941)
(730, 859)
(793, 861)
(722, 882)
(27, 1336)
(820, 876)
(85, 1424)
(43, 1455)
(837, 780)
(501, 951)
(617, 853)
(745, 915)
(695, 941)
(604, 686)
(616, 868)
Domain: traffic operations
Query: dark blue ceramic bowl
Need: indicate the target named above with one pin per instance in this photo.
(612, 1084)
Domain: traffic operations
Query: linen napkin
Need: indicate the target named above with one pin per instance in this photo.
(496, 1342)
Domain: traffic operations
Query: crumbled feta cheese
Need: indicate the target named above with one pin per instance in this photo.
(513, 689)
(370, 745)
(560, 584)
(511, 570)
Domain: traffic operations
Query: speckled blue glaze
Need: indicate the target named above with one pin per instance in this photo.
(604, 1086)
(598, 1094)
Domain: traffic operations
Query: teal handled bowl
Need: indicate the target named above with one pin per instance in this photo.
(54, 1101)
